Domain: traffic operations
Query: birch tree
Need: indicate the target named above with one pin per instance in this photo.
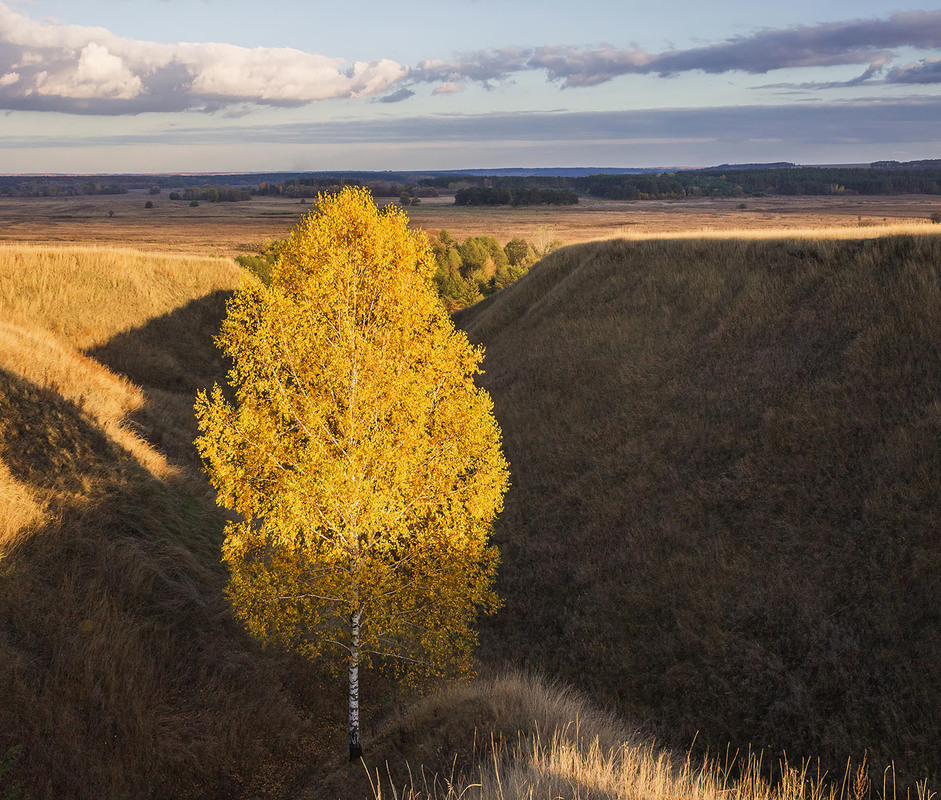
(363, 464)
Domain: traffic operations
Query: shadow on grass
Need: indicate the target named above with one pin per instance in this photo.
(123, 672)
(171, 358)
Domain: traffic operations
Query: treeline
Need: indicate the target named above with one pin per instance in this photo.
(466, 271)
(213, 194)
(757, 182)
(880, 178)
(505, 196)
(665, 186)
(43, 188)
(727, 180)
(838, 180)
(311, 187)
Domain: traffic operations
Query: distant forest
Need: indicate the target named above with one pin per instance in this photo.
(514, 196)
(729, 180)
(721, 183)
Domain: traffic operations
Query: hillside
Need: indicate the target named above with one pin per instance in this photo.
(726, 465)
(123, 673)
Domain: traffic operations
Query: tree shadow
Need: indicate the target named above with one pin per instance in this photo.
(123, 671)
(170, 358)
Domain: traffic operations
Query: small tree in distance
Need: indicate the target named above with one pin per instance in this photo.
(364, 463)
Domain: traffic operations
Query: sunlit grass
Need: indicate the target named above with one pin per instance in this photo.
(534, 751)
(824, 232)
(121, 670)
(89, 294)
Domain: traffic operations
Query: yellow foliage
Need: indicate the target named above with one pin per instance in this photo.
(364, 463)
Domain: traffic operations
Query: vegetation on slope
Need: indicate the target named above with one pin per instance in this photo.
(466, 271)
(514, 736)
(123, 673)
(726, 464)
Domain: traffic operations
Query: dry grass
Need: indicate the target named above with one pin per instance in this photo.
(513, 737)
(726, 464)
(561, 768)
(88, 295)
(123, 673)
(232, 228)
(870, 231)
(726, 461)
(461, 727)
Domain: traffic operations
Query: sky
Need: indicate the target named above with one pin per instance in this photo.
(111, 86)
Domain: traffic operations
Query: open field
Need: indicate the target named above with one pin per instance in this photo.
(232, 228)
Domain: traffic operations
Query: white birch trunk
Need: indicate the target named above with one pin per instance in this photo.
(356, 750)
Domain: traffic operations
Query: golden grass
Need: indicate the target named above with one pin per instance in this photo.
(123, 673)
(89, 294)
(514, 737)
(56, 302)
(21, 508)
(821, 232)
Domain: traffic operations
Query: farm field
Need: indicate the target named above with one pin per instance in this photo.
(230, 228)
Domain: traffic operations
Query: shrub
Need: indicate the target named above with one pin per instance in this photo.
(149, 204)
(194, 203)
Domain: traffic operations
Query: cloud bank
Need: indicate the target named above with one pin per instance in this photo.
(59, 67)
(877, 122)
(867, 42)
(53, 66)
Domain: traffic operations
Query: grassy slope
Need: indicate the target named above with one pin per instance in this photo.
(122, 671)
(726, 461)
(726, 466)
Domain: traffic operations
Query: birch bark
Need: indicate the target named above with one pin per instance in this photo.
(356, 749)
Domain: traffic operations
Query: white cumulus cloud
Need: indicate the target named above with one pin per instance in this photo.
(54, 66)
(98, 73)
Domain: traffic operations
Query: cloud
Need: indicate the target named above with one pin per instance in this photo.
(872, 71)
(59, 67)
(53, 66)
(928, 70)
(483, 66)
(397, 96)
(449, 87)
(98, 74)
(866, 42)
